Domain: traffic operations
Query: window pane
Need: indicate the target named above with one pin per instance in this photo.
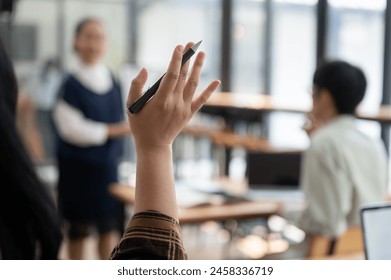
(294, 49)
(167, 23)
(293, 64)
(116, 26)
(248, 46)
(43, 40)
(356, 34)
(34, 42)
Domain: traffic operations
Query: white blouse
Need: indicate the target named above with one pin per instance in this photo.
(96, 78)
(70, 121)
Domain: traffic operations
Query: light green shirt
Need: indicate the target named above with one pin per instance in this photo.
(342, 169)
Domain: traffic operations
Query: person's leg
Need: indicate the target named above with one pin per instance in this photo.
(76, 249)
(77, 234)
(107, 242)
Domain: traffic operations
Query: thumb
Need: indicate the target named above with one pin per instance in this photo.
(136, 87)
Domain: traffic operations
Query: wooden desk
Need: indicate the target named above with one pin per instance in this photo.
(251, 108)
(233, 210)
(383, 115)
(230, 211)
(353, 256)
(254, 102)
(267, 103)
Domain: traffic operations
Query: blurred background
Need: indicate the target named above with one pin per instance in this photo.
(269, 47)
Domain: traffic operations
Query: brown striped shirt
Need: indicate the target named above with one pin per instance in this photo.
(150, 235)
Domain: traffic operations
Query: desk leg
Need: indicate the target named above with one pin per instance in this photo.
(385, 135)
(221, 155)
(232, 228)
(228, 152)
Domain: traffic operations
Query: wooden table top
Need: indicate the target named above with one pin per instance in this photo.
(252, 101)
(352, 256)
(383, 115)
(261, 102)
(237, 210)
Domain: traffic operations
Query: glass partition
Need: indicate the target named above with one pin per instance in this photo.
(356, 34)
(164, 24)
(248, 46)
(292, 67)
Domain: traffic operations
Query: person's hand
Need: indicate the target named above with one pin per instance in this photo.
(118, 130)
(311, 124)
(158, 123)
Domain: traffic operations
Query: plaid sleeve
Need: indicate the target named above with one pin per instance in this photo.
(150, 235)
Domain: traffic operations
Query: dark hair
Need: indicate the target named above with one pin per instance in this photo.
(29, 224)
(80, 26)
(345, 82)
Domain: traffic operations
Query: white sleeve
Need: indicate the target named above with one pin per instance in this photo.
(76, 129)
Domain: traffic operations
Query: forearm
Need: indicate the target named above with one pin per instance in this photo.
(156, 126)
(74, 128)
(117, 130)
(155, 186)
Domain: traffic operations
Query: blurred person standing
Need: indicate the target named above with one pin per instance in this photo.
(90, 121)
(49, 83)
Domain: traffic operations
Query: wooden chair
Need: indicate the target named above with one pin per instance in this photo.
(348, 243)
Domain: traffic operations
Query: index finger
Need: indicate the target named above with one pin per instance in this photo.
(171, 77)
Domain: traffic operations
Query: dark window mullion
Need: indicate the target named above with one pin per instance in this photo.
(321, 34)
(386, 99)
(226, 45)
(268, 47)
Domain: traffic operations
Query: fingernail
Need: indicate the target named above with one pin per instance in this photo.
(180, 48)
(142, 71)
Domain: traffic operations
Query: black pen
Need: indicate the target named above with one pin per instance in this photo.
(139, 103)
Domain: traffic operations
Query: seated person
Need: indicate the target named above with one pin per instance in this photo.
(343, 167)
